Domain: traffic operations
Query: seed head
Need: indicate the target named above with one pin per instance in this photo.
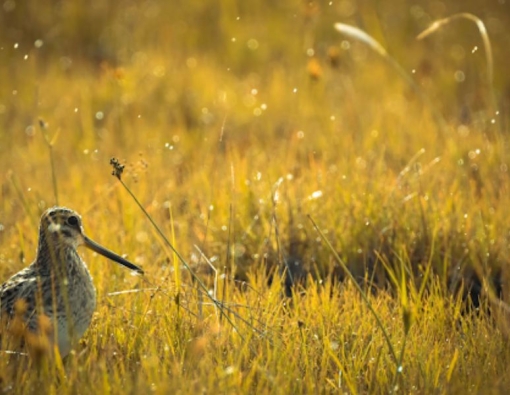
(117, 168)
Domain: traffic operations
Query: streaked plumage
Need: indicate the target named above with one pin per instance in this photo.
(58, 283)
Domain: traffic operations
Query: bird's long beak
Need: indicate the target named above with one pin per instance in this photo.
(110, 255)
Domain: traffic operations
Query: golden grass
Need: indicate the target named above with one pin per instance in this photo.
(235, 132)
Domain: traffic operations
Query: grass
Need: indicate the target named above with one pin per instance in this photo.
(237, 124)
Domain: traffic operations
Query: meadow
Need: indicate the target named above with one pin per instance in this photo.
(317, 209)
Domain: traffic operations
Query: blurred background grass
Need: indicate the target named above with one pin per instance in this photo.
(237, 120)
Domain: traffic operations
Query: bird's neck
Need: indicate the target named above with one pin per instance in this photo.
(54, 256)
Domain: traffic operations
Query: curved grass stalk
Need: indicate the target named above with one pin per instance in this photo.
(364, 37)
(436, 25)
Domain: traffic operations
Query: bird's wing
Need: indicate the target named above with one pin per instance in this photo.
(21, 286)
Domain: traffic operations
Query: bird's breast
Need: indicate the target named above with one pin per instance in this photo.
(76, 306)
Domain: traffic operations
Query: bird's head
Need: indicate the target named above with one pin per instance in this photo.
(61, 229)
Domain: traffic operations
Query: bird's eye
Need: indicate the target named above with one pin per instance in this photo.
(72, 220)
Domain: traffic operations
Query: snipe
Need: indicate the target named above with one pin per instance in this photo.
(57, 284)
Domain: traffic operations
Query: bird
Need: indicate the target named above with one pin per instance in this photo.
(57, 285)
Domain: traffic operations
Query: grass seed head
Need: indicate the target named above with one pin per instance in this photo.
(118, 168)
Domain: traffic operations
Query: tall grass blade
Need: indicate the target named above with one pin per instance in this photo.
(50, 143)
(360, 290)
